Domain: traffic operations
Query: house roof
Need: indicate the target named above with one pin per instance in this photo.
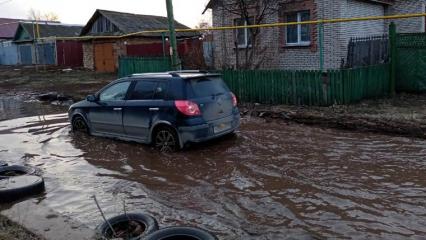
(8, 27)
(49, 29)
(209, 5)
(131, 23)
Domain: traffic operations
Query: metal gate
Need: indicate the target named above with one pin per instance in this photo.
(8, 53)
(26, 54)
(70, 53)
(46, 54)
(411, 62)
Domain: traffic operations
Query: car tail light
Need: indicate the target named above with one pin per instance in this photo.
(234, 100)
(188, 108)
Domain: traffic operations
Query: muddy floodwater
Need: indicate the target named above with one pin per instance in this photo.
(270, 181)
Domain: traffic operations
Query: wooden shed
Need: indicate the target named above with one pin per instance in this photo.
(102, 54)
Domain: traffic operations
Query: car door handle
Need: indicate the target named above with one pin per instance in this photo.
(154, 109)
(117, 109)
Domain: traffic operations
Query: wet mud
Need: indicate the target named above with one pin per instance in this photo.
(269, 181)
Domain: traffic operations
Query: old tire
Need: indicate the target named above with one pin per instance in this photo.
(147, 222)
(15, 188)
(79, 124)
(165, 139)
(179, 233)
(15, 170)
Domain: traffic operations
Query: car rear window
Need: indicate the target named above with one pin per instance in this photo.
(208, 86)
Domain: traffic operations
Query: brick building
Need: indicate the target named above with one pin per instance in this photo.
(296, 47)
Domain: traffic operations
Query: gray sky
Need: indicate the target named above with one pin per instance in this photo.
(187, 12)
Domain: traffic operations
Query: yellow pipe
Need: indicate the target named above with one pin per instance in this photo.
(324, 21)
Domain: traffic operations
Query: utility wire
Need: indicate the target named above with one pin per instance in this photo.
(279, 24)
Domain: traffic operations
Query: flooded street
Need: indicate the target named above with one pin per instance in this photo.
(270, 181)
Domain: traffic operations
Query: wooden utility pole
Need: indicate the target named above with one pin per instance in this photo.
(172, 35)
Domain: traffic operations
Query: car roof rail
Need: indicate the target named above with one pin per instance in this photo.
(176, 73)
(171, 73)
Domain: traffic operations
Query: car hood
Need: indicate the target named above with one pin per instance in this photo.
(80, 104)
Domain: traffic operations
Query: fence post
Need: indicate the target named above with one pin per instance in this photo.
(393, 58)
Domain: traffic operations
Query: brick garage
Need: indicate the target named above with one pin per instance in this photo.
(102, 52)
(118, 47)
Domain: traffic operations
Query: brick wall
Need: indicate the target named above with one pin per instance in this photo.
(88, 61)
(336, 36)
(407, 7)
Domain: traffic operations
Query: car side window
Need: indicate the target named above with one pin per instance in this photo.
(115, 93)
(143, 90)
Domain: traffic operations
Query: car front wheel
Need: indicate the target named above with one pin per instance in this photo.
(79, 125)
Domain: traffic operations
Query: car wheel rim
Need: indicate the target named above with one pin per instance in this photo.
(80, 125)
(165, 141)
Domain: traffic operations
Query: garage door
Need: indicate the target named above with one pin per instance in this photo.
(104, 58)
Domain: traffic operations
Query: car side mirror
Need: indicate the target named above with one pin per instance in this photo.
(91, 98)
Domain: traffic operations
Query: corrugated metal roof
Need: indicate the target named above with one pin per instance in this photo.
(8, 27)
(51, 30)
(131, 23)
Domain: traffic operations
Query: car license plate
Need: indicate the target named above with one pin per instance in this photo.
(222, 127)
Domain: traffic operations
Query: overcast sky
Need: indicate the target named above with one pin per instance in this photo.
(187, 12)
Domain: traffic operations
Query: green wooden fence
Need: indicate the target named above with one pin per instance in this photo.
(288, 87)
(309, 87)
(131, 65)
(411, 62)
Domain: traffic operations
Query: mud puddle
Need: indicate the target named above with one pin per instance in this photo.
(23, 105)
(270, 181)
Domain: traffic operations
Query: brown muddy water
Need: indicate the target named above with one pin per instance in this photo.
(270, 181)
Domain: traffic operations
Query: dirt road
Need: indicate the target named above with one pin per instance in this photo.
(271, 181)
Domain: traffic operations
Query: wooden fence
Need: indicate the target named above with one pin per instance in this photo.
(309, 87)
(131, 65)
(342, 86)
(410, 62)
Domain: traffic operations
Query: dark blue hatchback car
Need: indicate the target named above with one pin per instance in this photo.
(168, 110)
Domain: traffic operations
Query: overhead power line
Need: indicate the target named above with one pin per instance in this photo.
(268, 25)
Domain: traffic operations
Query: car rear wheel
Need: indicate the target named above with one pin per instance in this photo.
(166, 140)
(79, 125)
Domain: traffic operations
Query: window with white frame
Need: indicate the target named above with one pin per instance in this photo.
(243, 35)
(298, 35)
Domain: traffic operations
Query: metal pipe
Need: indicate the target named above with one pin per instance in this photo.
(324, 21)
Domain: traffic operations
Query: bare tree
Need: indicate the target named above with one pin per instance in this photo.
(39, 16)
(253, 12)
(204, 24)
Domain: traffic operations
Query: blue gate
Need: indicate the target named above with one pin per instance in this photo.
(25, 54)
(8, 53)
(46, 54)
